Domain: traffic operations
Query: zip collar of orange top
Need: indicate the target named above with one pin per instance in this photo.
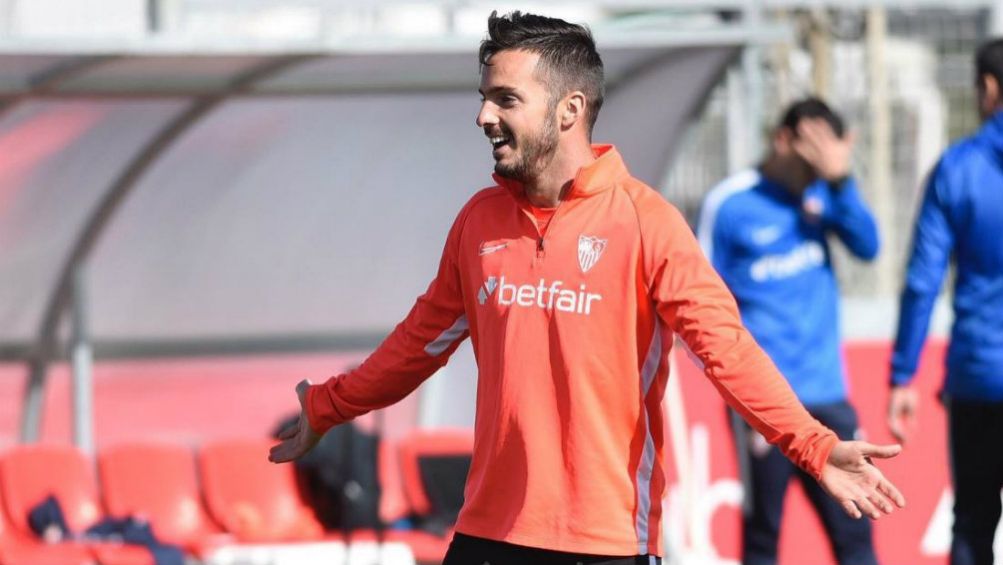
(596, 177)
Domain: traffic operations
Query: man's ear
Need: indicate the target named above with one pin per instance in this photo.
(782, 139)
(572, 109)
(990, 93)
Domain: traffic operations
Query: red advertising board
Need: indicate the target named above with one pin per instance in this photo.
(705, 527)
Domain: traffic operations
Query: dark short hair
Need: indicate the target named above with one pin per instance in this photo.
(812, 108)
(989, 61)
(568, 57)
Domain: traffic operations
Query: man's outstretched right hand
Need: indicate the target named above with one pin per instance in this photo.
(298, 438)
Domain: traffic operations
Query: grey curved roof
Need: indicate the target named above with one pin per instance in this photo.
(240, 197)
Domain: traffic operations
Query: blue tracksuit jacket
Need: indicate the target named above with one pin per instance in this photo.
(961, 216)
(774, 257)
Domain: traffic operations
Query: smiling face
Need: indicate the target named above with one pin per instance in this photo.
(517, 115)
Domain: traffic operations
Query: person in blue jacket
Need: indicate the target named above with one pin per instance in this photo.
(961, 216)
(765, 231)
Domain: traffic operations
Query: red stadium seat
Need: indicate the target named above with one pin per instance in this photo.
(29, 552)
(29, 474)
(18, 549)
(118, 554)
(254, 499)
(393, 501)
(160, 484)
(434, 465)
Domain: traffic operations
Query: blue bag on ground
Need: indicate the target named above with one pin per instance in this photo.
(128, 530)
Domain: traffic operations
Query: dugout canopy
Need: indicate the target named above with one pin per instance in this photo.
(250, 198)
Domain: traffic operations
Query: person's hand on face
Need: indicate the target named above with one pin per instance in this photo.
(828, 154)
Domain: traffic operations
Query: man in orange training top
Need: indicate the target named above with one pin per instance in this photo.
(571, 279)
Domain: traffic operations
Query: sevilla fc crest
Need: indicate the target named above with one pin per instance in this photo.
(590, 248)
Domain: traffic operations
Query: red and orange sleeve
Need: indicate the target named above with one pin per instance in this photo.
(417, 347)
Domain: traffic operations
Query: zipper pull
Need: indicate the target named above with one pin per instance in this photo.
(539, 247)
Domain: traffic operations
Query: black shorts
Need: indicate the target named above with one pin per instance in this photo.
(469, 550)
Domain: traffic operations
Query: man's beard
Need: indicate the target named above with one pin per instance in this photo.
(535, 155)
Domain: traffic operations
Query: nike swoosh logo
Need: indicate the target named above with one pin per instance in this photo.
(492, 249)
(766, 236)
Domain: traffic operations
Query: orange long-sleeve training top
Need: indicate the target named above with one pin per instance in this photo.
(571, 332)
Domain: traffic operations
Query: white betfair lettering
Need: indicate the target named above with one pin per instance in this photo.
(547, 297)
(526, 293)
(552, 292)
(541, 291)
(566, 301)
(503, 290)
(803, 257)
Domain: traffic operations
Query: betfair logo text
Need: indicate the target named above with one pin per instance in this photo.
(548, 296)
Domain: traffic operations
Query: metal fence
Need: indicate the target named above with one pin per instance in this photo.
(927, 60)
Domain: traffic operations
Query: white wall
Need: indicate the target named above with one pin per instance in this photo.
(75, 18)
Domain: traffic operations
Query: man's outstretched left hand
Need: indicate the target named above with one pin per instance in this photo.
(298, 438)
(861, 489)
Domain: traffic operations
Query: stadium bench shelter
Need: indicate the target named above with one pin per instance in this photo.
(162, 199)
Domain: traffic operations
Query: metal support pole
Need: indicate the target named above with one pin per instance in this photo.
(820, 44)
(880, 130)
(153, 23)
(34, 392)
(752, 58)
(164, 16)
(780, 56)
(737, 129)
(83, 365)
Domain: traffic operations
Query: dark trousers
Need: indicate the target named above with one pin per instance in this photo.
(765, 474)
(469, 550)
(977, 476)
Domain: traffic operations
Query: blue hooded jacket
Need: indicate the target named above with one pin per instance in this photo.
(961, 216)
(773, 255)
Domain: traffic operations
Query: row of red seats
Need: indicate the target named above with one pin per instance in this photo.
(226, 494)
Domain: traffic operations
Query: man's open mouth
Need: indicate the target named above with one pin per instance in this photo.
(499, 141)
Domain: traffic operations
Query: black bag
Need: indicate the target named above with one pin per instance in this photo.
(339, 478)
(443, 478)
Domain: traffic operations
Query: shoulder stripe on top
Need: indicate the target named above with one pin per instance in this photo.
(448, 336)
(737, 182)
